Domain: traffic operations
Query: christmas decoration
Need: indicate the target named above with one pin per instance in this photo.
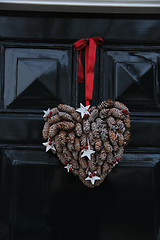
(89, 141)
(94, 151)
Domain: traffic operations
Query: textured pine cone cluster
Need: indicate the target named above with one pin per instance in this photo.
(105, 129)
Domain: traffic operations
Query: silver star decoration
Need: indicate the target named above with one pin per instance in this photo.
(68, 167)
(48, 146)
(87, 152)
(114, 164)
(83, 110)
(93, 178)
(46, 112)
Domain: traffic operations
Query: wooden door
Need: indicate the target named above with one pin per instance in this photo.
(39, 200)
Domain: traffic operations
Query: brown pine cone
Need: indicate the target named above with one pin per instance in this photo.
(83, 140)
(66, 116)
(120, 139)
(120, 105)
(57, 144)
(127, 122)
(71, 137)
(62, 137)
(108, 146)
(93, 116)
(105, 104)
(54, 111)
(115, 146)
(95, 131)
(111, 122)
(66, 108)
(104, 133)
(103, 154)
(46, 130)
(110, 158)
(53, 130)
(120, 152)
(78, 129)
(127, 136)
(74, 164)
(76, 116)
(82, 173)
(75, 155)
(77, 144)
(117, 113)
(112, 136)
(91, 139)
(105, 167)
(98, 144)
(65, 125)
(100, 123)
(70, 146)
(120, 125)
(86, 126)
(99, 170)
(92, 163)
(67, 154)
(83, 162)
(54, 119)
(105, 113)
(92, 108)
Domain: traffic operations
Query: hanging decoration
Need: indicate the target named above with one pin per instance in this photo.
(89, 141)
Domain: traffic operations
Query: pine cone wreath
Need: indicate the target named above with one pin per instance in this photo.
(89, 142)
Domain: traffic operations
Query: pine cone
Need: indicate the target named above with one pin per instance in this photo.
(99, 170)
(66, 108)
(62, 137)
(82, 173)
(71, 137)
(65, 125)
(108, 146)
(76, 116)
(95, 131)
(92, 163)
(46, 130)
(127, 136)
(83, 162)
(100, 123)
(54, 111)
(92, 108)
(91, 139)
(127, 122)
(110, 158)
(120, 105)
(105, 104)
(77, 144)
(120, 125)
(86, 126)
(98, 144)
(78, 129)
(53, 130)
(93, 116)
(66, 116)
(54, 119)
(116, 113)
(70, 146)
(67, 154)
(105, 113)
(111, 122)
(75, 155)
(112, 136)
(104, 133)
(120, 152)
(57, 144)
(83, 140)
(74, 164)
(105, 167)
(120, 139)
(103, 154)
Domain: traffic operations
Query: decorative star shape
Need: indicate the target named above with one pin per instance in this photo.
(83, 110)
(87, 152)
(68, 167)
(93, 178)
(46, 113)
(48, 146)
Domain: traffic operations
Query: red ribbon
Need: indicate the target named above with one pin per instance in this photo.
(90, 55)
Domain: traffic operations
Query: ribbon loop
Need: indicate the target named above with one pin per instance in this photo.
(90, 55)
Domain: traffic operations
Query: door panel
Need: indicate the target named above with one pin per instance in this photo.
(39, 200)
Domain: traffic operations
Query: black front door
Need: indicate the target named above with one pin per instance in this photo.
(39, 200)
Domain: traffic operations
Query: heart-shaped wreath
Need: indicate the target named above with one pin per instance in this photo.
(88, 141)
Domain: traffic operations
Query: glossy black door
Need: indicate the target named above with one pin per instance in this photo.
(39, 200)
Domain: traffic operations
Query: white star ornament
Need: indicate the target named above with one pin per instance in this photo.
(83, 110)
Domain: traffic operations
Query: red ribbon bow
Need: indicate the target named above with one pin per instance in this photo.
(90, 55)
